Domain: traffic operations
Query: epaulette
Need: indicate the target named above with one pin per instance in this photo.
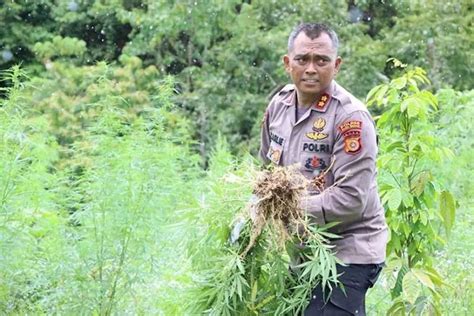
(349, 103)
(280, 89)
(287, 88)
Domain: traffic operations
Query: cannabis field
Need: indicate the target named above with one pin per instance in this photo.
(128, 137)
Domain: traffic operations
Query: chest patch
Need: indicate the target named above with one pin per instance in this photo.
(316, 135)
(315, 164)
(316, 147)
(318, 127)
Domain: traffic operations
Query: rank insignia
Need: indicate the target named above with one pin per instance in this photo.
(323, 100)
(316, 135)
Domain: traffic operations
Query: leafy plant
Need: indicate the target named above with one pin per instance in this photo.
(30, 222)
(254, 267)
(60, 46)
(415, 201)
(116, 252)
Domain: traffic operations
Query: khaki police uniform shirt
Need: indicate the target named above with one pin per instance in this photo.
(337, 129)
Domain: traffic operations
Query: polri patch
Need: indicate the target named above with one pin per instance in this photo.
(352, 145)
(348, 125)
(351, 131)
(316, 147)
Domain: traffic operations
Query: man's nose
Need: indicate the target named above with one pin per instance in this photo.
(311, 69)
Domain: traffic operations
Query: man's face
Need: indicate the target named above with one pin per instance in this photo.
(312, 64)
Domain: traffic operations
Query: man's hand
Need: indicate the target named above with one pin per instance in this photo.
(252, 206)
(240, 222)
(235, 233)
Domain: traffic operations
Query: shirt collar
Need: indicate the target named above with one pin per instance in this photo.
(320, 105)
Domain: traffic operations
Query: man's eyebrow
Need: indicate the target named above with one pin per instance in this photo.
(316, 55)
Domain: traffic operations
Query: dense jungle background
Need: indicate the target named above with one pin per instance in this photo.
(128, 130)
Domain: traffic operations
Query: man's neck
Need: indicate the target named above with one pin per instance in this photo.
(306, 102)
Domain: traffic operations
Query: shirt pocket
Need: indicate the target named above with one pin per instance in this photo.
(315, 157)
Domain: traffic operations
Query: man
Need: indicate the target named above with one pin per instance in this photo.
(316, 123)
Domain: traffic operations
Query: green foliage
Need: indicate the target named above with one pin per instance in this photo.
(438, 44)
(453, 127)
(71, 98)
(226, 55)
(131, 190)
(29, 219)
(271, 279)
(60, 47)
(409, 191)
(26, 24)
(95, 260)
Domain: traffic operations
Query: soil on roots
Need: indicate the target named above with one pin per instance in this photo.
(278, 193)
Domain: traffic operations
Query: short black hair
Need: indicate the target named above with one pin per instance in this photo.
(313, 30)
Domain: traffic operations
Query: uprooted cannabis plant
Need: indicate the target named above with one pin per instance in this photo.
(262, 256)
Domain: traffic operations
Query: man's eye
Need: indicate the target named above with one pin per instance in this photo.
(322, 62)
(300, 60)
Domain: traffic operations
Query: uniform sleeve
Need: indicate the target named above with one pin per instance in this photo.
(354, 171)
(265, 138)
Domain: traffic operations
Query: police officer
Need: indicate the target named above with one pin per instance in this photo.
(317, 124)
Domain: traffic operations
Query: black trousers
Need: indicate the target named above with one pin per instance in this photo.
(356, 280)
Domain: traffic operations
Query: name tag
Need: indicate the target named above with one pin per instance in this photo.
(274, 153)
(277, 139)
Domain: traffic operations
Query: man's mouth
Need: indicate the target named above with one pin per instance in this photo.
(310, 80)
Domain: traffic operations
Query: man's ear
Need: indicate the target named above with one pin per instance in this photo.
(286, 63)
(337, 64)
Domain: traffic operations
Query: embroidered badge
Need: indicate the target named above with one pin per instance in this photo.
(351, 131)
(352, 145)
(318, 127)
(346, 126)
(316, 135)
(315, 163)
(319, 124)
